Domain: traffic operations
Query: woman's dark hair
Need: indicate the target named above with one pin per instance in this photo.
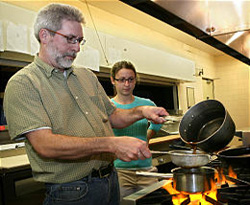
(120, 65)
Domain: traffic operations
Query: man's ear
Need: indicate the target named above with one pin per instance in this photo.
(44, 36)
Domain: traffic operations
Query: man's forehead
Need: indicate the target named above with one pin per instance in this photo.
(72, 28)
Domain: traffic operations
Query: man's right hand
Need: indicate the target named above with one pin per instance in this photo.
(130, 148)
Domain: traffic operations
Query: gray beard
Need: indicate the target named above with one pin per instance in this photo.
(63, 63)
(60, 58)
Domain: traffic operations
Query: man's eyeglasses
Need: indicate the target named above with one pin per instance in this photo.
(70, 39)
(124, 80)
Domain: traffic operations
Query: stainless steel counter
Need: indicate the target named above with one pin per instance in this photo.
(133, 198)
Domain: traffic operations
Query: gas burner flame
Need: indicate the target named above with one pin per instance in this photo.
(205, 198)
(193, 199)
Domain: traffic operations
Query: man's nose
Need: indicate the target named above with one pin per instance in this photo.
(76, 47)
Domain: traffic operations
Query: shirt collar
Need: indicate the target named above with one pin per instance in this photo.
(49, 70)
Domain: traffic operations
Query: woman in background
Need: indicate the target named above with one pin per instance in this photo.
(124, 77)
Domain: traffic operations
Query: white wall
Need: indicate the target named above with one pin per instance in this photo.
(102, 51)
(232, 87)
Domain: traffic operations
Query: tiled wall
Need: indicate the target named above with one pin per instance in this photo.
(232, 89)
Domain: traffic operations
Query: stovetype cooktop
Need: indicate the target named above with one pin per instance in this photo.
(134, 198)
(228, 193)
(157, 195)
(231, 192)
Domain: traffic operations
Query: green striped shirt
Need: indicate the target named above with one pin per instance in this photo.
(71, 103)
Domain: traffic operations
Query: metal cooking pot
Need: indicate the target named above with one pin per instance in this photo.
(193, 180)
(207, 124)
(237, 157)
(186, 158)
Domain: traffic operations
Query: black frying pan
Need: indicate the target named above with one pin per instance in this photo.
(237, 157)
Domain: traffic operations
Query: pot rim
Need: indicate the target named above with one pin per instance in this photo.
(189, 153)
(194, 170)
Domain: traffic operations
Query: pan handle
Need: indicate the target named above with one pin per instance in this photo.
(159, 152)
(172, 118)
(236, 180)
(153, 174)
(238, 134)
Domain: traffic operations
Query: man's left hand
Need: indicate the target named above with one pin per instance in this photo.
(154, 114)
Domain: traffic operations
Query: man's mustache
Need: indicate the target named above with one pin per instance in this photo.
(71, 54)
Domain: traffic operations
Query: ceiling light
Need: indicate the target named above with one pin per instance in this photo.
(234, 37)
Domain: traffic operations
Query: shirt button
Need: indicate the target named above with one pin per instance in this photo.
(86, 113)
(76, 97)
(104, 120)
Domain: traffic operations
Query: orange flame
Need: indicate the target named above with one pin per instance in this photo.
(222, 178)
(231, 173)
(200, 198)
(195, 199)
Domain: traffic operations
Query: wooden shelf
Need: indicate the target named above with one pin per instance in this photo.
(163, 139)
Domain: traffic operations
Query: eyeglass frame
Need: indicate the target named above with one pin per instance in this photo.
(124, 80)
(70, 40)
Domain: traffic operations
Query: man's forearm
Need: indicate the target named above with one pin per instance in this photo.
(122, 118)
(56, 146)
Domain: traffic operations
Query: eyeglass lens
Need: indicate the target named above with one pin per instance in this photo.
(74, 40)
(71, 39)
(124, 80)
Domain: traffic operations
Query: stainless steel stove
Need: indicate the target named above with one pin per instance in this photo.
(136, 197)
(227, 194)
(156, 195)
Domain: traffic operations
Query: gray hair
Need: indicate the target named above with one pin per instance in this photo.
(52, 15)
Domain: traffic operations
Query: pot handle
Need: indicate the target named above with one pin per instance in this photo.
(237, 180)
(153, 174)
(159, 152)
(238, 134)
(172, 118)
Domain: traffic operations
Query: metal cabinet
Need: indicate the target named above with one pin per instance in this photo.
(17, 187)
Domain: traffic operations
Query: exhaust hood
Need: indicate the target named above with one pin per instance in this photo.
(225, 25)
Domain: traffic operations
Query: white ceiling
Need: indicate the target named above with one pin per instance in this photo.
(218, 18)
(125, 11)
